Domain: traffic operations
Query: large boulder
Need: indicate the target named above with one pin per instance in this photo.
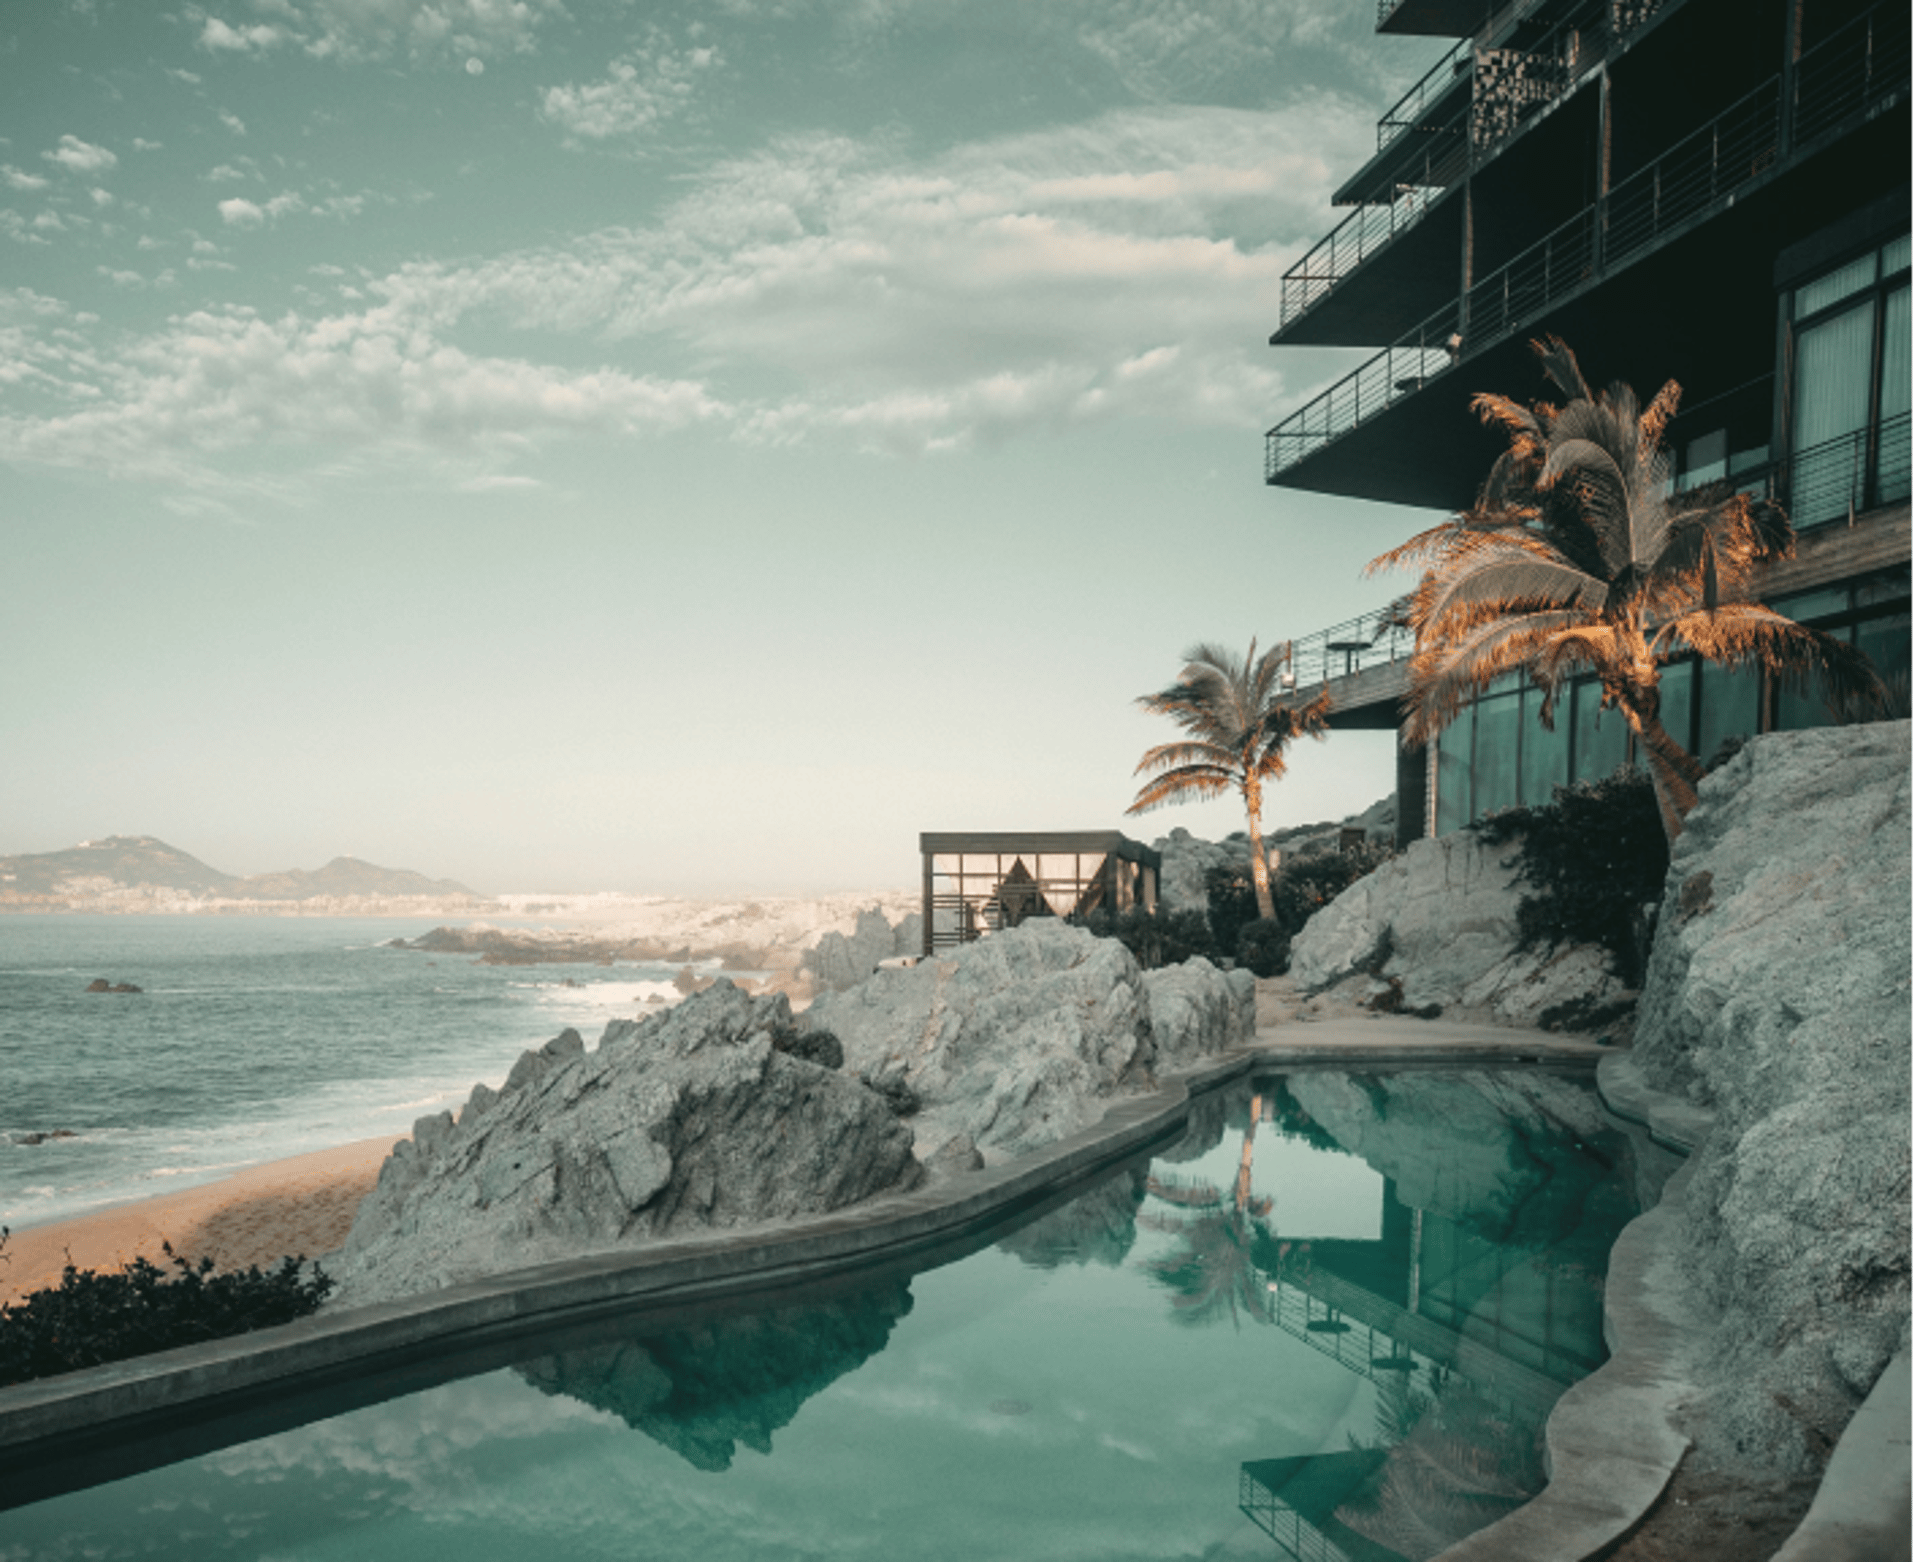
(1442, 918)
(843, 960)
(688, 1119)
(1185, 860)
(1019, 1039)
(1780, 995)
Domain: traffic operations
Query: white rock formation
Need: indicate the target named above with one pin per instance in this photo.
(1019, 1039)
(1441, 917)
(687, 1119)
(1780, 995)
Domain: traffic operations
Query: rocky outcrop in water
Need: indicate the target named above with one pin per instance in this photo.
(685, 1120)
(843, 960)
(1780, 996)
(1441, 920)
(1020, 1039)
(729, 1382)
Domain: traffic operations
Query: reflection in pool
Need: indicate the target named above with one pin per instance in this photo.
(1333, 1317)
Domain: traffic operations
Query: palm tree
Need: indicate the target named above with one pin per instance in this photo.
(1238, 723)
(1577, 559)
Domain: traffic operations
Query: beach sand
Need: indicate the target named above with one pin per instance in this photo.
(304, 1204)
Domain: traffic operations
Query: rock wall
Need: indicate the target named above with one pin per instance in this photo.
(1018, 1040)
(688, 1119)
(1441, 918)
(1780, 995)
(843, 960)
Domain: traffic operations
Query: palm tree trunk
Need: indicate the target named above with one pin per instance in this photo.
(1262, 890)
(1674, 771)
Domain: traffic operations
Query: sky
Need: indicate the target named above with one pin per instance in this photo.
(676, 448)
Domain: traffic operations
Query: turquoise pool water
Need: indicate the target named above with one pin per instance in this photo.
(1331, 1322)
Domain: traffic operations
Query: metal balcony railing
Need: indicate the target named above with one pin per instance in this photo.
(1849, 75)
(1839, 478)
(1510, 89)
(1426, 90)
(1371, 640)
(1367, 230)
(1692, 176)
(1866, 62)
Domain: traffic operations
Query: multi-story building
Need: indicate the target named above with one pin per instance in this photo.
(1711, 191)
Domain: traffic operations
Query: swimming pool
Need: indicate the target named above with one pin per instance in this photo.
(1334, 1316)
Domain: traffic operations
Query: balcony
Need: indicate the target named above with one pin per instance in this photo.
(1862, 70)
(1458, 116)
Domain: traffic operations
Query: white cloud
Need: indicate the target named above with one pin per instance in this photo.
(216, 36)
(101, 197)
(466, 32)
(80, 156)
(225, 172)
(141, 144)
(183, 76)
(122, 278)
(639, 92)
(372, 383)
(821, 289)
(233, 122)
(20, 179)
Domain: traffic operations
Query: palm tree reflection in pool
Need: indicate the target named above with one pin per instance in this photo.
(1213, 1273)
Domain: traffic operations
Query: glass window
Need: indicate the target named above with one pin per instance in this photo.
(1835, 285)
(1832, 393)
(1897, 256)
(1496, 757)
(1892, 585)
(1889, 643)
(1729, 706)
(1676, 702)
(1543, 754)
(1452, 783)
(1805, 606)
(1893, 467)
(1706, 460)
(1796, 709)
(1599, 736)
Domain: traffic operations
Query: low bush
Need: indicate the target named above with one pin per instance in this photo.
(1156, 938)
(1595, 857)
(91, 1318)
(1231, 930)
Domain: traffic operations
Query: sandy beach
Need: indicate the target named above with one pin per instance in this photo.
(304, 1204)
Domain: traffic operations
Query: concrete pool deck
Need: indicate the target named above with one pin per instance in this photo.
(1613, 1442)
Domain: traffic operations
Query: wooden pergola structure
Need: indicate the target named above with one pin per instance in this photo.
(975, 882)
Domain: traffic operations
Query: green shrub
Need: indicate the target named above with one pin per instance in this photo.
(91, 1318)
(1596, 856)
(1263, 947)
(1156, 938)
(1300, 888)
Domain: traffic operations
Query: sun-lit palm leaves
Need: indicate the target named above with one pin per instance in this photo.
(1576, 559)
(1238, 716)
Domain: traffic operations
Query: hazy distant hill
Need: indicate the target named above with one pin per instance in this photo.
(121, 860)
(343, 876)
(121, 867)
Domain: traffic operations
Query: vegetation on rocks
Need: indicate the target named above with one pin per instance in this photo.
(1595, 859)
(1231, 931)
(92, 1318)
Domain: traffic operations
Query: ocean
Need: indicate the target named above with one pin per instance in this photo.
(253, 1038)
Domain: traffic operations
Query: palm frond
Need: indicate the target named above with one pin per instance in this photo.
(1188, 784)
(1168, 755)
(1561, 367)
(1746, 634)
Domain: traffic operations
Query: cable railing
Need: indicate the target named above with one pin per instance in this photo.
(1838, 478)
(1371, 640)
(1430, 87)
(1366, 230)
(1692, 177)
(1866, 62)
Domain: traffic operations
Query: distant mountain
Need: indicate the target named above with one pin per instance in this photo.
(343, 876)
(133, 867)
(123, 861)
